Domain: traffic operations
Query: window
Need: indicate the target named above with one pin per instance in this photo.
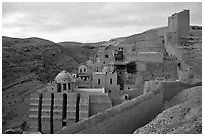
(99, 81)
(111, 81)
(128, 88)
(59, 87)
(64, 87)
(80, 70)
(69, 86)
(106, 56)
(84, 70)
(126, 97)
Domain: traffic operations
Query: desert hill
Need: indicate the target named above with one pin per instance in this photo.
(27, 64)
(42, 57)
(182, 115)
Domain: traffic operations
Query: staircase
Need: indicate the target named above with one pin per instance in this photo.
(33, 116)
(71, 108)
(84, 106)
(45, 118)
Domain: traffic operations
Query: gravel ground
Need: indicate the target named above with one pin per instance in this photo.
(182, 114)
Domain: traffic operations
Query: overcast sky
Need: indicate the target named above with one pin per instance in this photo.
(89, 22)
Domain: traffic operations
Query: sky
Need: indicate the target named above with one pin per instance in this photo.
(89, 22)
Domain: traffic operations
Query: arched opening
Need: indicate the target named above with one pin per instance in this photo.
(111, 81)
(126, 97)
(59, 87)
(64, 86)
(99, 81)
(64, 110)
(51, 114)
(179, 65)
(69, 86)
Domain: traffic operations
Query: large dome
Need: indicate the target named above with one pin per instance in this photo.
(63, 76)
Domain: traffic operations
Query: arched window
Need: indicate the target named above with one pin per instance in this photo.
(84, 70)
(80, 70)
(69, 86)
(64, 86)
(111, 81)
(99, 81)
(64, 109)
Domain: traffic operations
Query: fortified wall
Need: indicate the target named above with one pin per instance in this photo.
(128, 116)
(51, 111)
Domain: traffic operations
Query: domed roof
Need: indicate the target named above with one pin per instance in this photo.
(63, 76)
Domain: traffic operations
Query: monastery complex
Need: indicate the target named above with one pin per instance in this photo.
(116, 74)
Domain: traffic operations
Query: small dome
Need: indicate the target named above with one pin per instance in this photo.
(63, 76)
(105, 70)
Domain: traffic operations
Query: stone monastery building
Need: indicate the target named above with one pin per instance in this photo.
(116, 74)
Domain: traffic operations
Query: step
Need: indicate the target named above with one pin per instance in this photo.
(44, 117)
(70, 121)
(46, 110)
(71, 115)
(71, 95)
(45, 105)
(83, 114)
(83, 108)
(82, 118)
(71, 102)
(71, 107)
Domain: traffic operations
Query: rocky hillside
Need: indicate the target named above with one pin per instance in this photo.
(42, 57)
(27, 64)
(181, 115)
(150, 40)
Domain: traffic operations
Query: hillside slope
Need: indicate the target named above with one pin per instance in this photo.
(183, 115)
(28, 64)
(21, 57)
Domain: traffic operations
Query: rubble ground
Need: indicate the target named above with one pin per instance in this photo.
(181, 115)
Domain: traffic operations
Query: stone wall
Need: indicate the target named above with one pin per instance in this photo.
(173, 88)
(99, 103)
(130, 115)
(124, 118)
